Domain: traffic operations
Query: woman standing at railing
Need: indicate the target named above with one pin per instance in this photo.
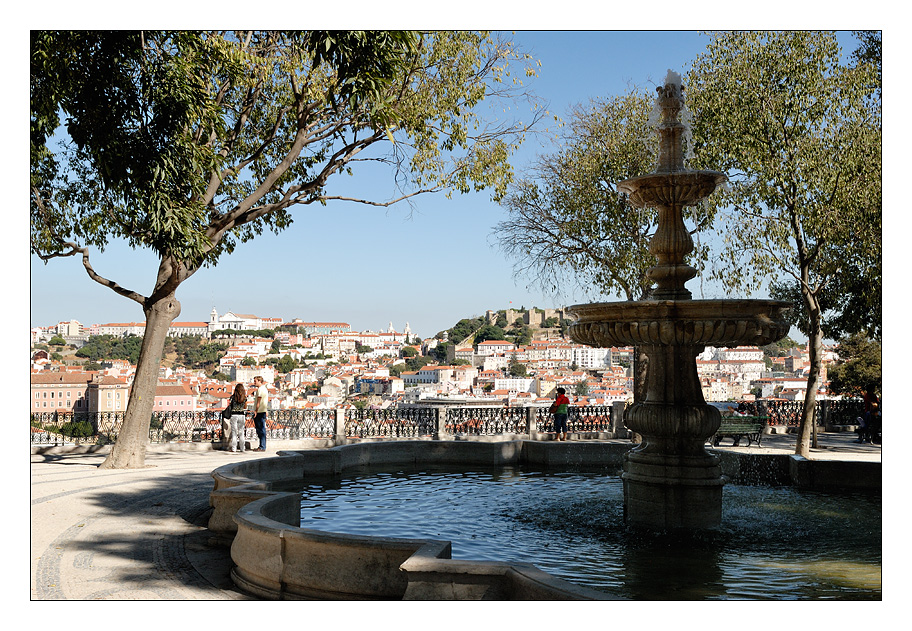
(237, 407)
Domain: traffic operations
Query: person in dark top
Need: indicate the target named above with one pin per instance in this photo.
(237, 405)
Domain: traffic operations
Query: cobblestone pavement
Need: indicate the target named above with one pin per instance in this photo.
(126, 534)
(141, 534)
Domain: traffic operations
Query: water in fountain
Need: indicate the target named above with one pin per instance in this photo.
(772, 543)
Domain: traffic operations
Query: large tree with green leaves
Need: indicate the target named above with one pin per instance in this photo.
(192, 143)
(798, 131)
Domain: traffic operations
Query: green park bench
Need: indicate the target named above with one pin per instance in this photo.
(738, 427)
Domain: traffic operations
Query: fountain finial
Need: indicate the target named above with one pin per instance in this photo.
(670, 102)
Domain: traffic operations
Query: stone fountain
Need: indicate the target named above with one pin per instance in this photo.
(670, 480)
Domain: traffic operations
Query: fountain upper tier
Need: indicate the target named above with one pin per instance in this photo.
(669, 189)
(722, 323)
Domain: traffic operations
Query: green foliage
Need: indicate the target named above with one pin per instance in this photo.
(366, 62)
(522, 335)
(489, 332)
(440, 352)
(198, 141)
(463, 329)
(581, 389)
(102, 347)
(417, 363)
(859, 368)
(780, 347)
(57, 341)
(518, 369)
(77, 429)
(286, 364)
(195, 352)
(801, 140)
(567, 223)
(409, 351)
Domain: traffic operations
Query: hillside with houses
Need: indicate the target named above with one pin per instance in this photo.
(327, 365)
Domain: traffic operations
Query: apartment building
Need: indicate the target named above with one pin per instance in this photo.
(54, 391)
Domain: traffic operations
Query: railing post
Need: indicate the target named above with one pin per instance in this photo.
(823, 415)
(442, 418)
(531, 429)
(339, 432)
(617, 419)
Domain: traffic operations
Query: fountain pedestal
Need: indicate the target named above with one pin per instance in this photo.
(670, 480)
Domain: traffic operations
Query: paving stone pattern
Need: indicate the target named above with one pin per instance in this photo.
(126, 535)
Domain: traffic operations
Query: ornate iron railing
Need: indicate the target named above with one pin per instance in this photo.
(391, 423)
(788, 413)
(485, 421)
(590, 418)
(100, 428)
(296, 424)
(414, 422)
(844, 412)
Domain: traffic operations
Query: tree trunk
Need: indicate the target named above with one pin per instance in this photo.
(129, 451)
(809, 412)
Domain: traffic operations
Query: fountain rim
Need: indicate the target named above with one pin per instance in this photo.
(675, 177)
(676, 309)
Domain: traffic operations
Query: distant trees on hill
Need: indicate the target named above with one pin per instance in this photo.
(191, 350)
(101, 347)
(268, 333)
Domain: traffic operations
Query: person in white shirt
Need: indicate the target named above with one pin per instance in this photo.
(259, 411)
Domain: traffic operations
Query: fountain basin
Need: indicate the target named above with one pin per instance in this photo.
(277, 559)
(721, 322)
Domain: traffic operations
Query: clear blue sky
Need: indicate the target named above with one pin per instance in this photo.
(429, 264)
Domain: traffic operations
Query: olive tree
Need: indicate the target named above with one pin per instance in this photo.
(192, 143)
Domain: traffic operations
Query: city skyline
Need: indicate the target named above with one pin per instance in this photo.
(429, 263)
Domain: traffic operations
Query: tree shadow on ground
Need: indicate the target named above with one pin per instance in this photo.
(147, 534)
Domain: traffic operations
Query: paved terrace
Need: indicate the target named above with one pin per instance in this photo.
(141, 534)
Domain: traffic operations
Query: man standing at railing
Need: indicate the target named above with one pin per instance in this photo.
(561, 410)
(259, 411)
